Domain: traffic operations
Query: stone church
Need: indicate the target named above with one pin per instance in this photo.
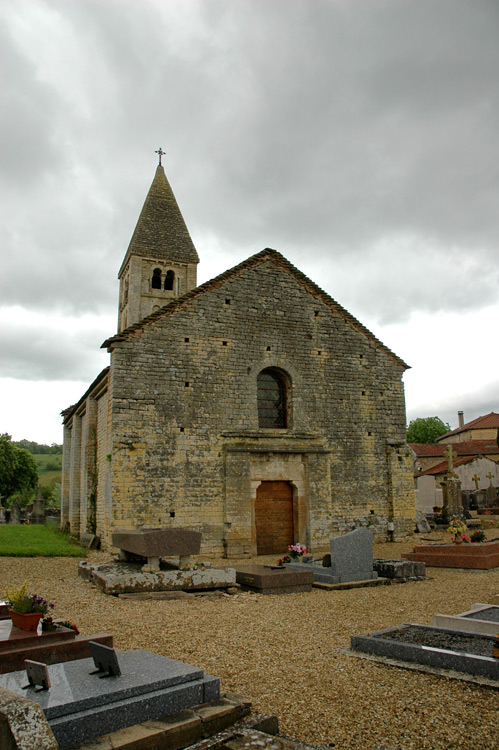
(253, 408)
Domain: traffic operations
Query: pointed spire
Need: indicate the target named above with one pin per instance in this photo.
(161, 231)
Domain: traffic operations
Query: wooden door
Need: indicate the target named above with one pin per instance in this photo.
(274, 518)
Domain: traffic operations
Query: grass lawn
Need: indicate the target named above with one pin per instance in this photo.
(35, 540)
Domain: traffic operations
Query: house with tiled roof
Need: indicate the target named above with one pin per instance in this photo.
(428, 455)
(253, 408)
(481, 428)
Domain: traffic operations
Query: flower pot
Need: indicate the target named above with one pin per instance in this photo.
(458, 540)
(27, 621)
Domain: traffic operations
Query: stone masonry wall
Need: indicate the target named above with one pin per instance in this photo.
(184, 380)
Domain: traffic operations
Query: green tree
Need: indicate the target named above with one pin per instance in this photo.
(426, 429)
(18, 472)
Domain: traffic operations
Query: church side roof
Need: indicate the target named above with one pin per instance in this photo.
(265, 255)
(161, 231)
(70, 410)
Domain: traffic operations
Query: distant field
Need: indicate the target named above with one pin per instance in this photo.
(49, 467)
(34, 541)
(48, 462)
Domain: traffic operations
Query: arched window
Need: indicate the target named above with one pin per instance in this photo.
(271, 395)
(169, 279)
(156, 279)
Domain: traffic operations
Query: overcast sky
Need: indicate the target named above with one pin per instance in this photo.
(357, 137)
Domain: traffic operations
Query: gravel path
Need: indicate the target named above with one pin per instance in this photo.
(282, 651)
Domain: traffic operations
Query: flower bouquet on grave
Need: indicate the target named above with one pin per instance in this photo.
(477, 536)
(459, 529)
(26, 610)
(297, 551)
(283, 560)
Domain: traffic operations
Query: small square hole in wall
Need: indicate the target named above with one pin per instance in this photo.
(172, 514)
(319, 352)
(224, 343)
(182, 429)
(227, 301)
(316, 313)
(369, 434)
(268, 348)
(363, 393)
(186, 339)
(187, 384)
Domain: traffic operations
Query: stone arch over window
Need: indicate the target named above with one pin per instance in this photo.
(169, 280)
(156, 279)
(272, 398)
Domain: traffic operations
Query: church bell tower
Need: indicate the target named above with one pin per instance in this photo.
(161, 261)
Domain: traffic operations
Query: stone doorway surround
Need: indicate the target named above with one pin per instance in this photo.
(302, 460)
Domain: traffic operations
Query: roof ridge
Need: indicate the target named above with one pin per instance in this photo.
(266, 254)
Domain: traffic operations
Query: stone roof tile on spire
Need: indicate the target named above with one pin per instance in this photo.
(161, 231)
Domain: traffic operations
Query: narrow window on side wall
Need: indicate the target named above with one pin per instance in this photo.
(271, 395)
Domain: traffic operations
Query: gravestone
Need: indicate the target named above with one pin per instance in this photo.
(422, 524)
(350, 558)
(452, 498)
(79, 706)
(491, 496)
(38, 514)
(2, 513)
(15, 514)
(425, 494)
(156, 543)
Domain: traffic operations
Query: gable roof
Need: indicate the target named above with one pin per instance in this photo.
(469, 448)
(489, 421)
(443, 466)
(262, 257)
(161, 231)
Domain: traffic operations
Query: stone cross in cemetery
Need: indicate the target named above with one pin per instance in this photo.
(476, 480)
(450, 456)
(453, 504)
(490, 477)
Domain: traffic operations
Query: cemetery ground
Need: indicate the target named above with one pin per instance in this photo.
(285, 652)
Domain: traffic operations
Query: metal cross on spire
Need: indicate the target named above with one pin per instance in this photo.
(160, 153)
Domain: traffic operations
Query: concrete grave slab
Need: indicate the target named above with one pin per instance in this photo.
(479, 556)
(481, 618)
(80, 706)
(49, 647)
(127, 578)
(437, 647)
(274, 580)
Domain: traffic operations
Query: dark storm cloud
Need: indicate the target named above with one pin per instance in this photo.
(34, 352)
(358, 138)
